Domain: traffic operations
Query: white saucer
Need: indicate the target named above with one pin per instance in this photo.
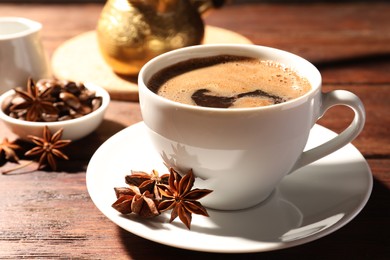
(309, 204)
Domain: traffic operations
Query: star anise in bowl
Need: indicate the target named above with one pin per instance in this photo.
(33, 104)
(175, 194)
(78, 109)
(52, 100)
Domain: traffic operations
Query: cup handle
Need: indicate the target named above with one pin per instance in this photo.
(333, 98)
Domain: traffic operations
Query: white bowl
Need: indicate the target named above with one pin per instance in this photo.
(74, 129)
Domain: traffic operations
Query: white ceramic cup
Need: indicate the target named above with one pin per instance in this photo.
(241, 154)
(21, 53)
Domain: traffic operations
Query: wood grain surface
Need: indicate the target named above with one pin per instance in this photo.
(49, 215)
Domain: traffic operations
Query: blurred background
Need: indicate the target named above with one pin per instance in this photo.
(231, 1)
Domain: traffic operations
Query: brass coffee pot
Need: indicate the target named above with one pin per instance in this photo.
(131, 32)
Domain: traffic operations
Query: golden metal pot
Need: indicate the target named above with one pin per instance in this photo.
(131, 32)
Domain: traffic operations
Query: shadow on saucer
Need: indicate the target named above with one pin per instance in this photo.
(267, 221)
(270, 219)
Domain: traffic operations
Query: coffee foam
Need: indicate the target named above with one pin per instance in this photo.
(228, 76)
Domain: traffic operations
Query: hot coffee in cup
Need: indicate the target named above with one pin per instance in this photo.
(242, 153)
(228, 81)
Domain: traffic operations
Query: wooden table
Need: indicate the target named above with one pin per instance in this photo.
(50, 214)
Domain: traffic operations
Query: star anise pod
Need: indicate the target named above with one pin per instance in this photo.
(179, 196)
(48, 147)
(124, 199)
(35, 102)
(132, 200)
(147, 182)
(8, 149)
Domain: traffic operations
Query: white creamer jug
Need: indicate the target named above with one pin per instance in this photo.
(21, 52)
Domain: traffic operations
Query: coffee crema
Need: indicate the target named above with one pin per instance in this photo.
(228, 81)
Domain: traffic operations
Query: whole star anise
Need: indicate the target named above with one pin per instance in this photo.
(8, 149)
(179, 196)
(131, 200)
(35, 103)
(174, 192)
(147, 182)
(48, 147)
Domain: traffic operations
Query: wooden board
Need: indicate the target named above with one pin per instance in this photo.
(79, 59)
